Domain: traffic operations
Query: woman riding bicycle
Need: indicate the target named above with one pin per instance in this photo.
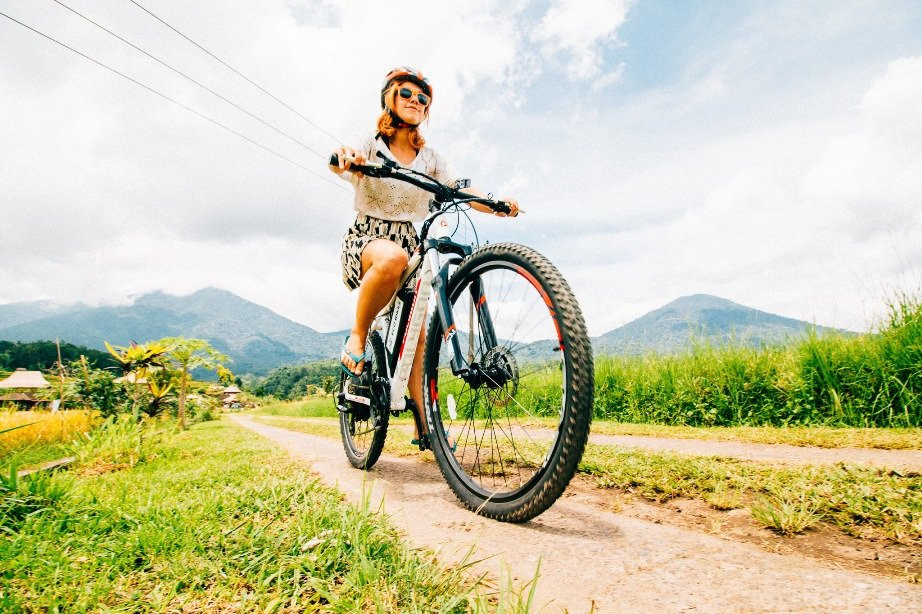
(377, 247)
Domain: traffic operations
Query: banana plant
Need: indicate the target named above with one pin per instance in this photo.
(159, 385)
(138, 359)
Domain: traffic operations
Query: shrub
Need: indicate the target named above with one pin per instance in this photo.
(98, 389)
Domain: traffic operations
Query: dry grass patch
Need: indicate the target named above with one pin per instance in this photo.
(41, 427)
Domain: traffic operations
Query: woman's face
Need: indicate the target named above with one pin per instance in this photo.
(410, 110)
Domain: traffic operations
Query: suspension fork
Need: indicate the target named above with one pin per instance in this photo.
(479, 303)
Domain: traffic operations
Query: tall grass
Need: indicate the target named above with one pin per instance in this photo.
(871, 380)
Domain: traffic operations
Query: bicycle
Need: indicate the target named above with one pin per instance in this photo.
(508, 369)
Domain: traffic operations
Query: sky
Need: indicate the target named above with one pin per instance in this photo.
(769, 153)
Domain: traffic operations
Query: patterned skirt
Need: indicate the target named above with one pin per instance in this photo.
(367, 229)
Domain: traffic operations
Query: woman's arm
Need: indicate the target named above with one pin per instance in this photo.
(513, 204)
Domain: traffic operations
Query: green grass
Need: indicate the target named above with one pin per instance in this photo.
(871, 380)
(865, 502)
(212, 519)
(34, 454)
(314, 407)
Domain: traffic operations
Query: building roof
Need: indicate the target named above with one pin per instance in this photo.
(232, 389)
(20, 378)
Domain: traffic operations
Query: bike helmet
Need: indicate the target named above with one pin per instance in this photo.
(402, 73)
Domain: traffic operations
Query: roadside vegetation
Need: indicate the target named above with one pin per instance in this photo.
(207, 519)
(311, 407)
(820, 436)
(863, 502)
(847, 381)
(871, 380)
(295, 382)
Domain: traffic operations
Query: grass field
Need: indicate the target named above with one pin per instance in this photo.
(212, 519)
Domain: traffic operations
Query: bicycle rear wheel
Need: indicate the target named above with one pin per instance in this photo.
(509, 431)
(364, 427)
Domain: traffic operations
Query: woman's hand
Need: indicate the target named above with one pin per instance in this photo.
(513, 207)
(347, 157)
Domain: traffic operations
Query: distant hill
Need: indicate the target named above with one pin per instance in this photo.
(257, 338)
(700, 318)
(260, 340)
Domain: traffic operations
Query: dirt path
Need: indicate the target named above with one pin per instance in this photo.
(777, 453)
(592, 556)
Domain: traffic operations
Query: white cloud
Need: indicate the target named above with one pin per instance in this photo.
(110, 191)
(788, 190)
(869, 179)
(577, 29)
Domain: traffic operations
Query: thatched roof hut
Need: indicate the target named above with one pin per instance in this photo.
(17, 396)
(232, 390)
(20, 378)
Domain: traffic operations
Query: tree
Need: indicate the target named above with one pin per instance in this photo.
(186, 355)
(225, 376)
(98, 390)
(138, 360)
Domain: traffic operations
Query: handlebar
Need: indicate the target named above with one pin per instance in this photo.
(442, 192)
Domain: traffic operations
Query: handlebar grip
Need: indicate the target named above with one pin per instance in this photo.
(506, 208)
(373, 170)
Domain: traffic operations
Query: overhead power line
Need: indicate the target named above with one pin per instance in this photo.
(176, 102)
(185, 76)
(238, 73)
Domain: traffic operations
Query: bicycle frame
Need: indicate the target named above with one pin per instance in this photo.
(403, 326)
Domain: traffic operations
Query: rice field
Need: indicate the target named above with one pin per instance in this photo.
(19, 429)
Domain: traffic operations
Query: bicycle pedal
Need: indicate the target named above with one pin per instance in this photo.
(425, 443)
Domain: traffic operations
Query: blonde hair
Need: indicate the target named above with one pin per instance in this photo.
(386, 120)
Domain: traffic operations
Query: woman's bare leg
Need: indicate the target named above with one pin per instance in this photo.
(383, 263)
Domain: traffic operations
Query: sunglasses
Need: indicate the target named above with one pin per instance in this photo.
(406, 93)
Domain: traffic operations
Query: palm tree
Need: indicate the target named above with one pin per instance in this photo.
(189, 354)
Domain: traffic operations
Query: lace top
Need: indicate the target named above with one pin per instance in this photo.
(390, 199)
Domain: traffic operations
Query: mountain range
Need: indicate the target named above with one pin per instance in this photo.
(259, 340)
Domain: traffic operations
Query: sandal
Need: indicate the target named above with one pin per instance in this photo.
(358, 359)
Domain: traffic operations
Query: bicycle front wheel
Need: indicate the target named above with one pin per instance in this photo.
(509, 429)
